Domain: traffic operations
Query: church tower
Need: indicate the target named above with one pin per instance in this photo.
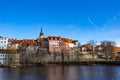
(41, 34)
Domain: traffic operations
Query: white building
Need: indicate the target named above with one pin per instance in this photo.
(6, 58)
(3, 42)
(72, 43)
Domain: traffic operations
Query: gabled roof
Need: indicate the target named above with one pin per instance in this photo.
(117, 48)
(69, 40)
(42, 39)
(27, 43)
(54, 37)
(64, 39)
(99, 46)
(88, 46)
(16, 42)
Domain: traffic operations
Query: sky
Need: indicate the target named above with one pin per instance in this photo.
(81, 20)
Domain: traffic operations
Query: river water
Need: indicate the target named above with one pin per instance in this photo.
(61, 73)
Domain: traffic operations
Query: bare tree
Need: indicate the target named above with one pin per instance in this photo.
(13, 57)
(93, 43)
(108, 48)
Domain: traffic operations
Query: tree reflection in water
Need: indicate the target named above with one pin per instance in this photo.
(61, 73)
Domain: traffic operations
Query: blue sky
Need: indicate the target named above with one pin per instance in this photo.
(83, 20)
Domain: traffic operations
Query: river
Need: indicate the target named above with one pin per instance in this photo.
(61, 73)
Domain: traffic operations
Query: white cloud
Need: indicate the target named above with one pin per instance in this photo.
(92, 23)
(115, 20)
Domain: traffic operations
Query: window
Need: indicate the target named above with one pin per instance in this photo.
(4, 41)
(5, 55)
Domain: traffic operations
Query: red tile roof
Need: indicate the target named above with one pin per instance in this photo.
(117, 48)
(16, 42)
(42, 39)
(27, 43)
(69, 40)
(64, 39)
(54, 37)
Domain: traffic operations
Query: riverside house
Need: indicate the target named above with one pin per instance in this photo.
(8, 58)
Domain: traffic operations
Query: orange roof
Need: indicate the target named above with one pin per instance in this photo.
(42, 39)
(54, 37)
(117, 48)
(31, 42)
(28, 43)
(64, 40)
(16, 41)
(69, 40)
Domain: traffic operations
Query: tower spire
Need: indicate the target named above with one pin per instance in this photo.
(41, 34)
(41, 30)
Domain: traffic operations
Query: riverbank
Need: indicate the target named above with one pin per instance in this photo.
(81, 63)
(85, 63)
(88, 63)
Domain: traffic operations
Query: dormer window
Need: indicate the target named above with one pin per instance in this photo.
(55, 38)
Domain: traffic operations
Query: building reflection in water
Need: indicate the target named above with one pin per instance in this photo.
(66, 73)
(61, 73)
(84, 73)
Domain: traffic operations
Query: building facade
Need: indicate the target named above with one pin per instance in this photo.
(15, 44)
(7, 58)
(3, 42)
(55, 43)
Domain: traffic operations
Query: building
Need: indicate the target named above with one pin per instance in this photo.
(50, 43)
(87, 51)
(65, 45)
(8, 58)
(55, 43)
(42, 41)
(117, 51)
(41, 34)
(15, 44)
(86, 48)
(99, 49)
(3, 42)
(72, 43)
(27, 42)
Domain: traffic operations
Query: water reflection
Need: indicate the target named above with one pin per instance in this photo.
(61, 73)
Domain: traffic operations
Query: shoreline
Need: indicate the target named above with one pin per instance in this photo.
(89, 63)
(80, 63)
